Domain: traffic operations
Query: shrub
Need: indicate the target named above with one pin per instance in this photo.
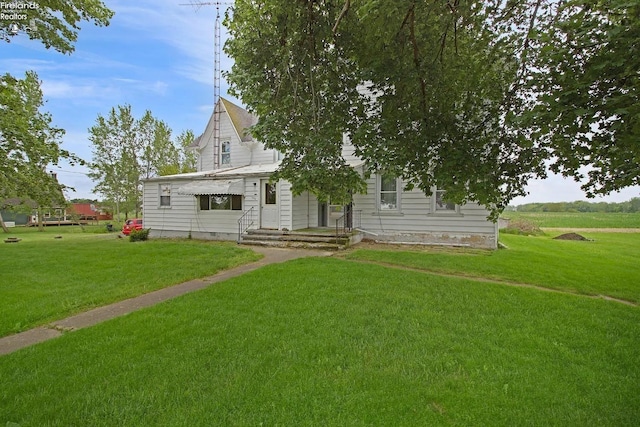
(139, 235)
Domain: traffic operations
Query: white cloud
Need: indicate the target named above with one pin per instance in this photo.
(17, 66)
(187, 29)
(67, 89)
(97, 90)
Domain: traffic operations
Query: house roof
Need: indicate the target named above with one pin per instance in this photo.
(241, 119)
(191, 175)
(237, 172)
(84, 208)
(250, 170)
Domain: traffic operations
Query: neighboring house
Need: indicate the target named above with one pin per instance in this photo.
(13, 217)
(56, 214)
(232, 190)
(89, 212)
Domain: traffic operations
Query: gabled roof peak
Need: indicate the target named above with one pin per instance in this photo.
(240, 118)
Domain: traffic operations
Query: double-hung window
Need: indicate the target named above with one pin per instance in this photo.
(388, 193)
(165, 195)
(225, 157)
(440, 204)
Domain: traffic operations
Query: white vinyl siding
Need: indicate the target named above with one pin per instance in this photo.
(416, 221)
(305, 211)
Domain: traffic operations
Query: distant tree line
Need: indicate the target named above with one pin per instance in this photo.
(630, 206)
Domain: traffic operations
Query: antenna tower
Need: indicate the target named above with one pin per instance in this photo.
(216, 74)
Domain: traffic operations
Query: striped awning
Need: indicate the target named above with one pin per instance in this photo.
(213, 186)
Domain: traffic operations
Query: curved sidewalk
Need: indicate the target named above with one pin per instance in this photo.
(55, 329)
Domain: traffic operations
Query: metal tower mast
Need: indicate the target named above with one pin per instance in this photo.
(216, 76)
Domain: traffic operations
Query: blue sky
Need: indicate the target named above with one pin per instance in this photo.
(156, 55)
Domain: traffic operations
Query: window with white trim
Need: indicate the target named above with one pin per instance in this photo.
(440, 204)
(388, 193)
(225, 157)
(165, 195)
(219, 202)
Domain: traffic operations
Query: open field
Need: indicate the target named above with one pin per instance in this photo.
(578, 219)
(608, 265)
(333, 342)
(43, 278)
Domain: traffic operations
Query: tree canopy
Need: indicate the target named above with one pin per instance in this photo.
(469, 97)
(28, 143)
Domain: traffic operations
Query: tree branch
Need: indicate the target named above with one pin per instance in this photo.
(416, 57)
(343, 13)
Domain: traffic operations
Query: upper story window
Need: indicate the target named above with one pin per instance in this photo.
(225, 156)
(441, 205)
(388, 193)
(165, 195)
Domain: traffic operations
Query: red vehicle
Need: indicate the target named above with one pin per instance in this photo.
(131, 224)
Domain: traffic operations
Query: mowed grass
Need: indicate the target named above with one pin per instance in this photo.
(44, 279)
(578, 219)
(336, 343)
(608, 265)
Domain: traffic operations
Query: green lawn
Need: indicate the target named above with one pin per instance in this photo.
(578, 219)
(335, 342)
(44, 279)
(608, 265)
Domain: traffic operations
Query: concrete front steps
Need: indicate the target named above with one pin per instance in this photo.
(300, 239)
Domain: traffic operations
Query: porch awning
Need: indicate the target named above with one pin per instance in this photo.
(213, 186)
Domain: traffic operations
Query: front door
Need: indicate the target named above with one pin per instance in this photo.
(270, 214)
(322, 214)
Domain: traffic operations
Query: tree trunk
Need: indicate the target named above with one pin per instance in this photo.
(40, 216)
(3, 225)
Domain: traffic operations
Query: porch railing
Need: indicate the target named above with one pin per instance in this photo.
(244, 222)
(348, 221)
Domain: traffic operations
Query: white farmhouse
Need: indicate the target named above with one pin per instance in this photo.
(231, 195)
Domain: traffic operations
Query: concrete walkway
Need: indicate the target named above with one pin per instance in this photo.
(55, 329)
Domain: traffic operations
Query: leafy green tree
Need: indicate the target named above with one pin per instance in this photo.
(127, 150)
(115, 167)
(461, 95)
(187, 156)
(28, 143)
(586, 79)
(440, 81)
(56, 22)
(157, 151)
(182, 159)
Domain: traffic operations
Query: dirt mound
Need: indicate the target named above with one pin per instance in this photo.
(570, 236)
(522, 227)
